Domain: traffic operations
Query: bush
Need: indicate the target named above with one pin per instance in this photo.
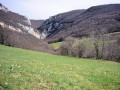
(72, 47)
(1, 35)
(89, 53)
(108, 49)
(112, 51)
(26, 41)
(78, 48)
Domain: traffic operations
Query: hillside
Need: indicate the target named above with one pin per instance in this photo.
(25, 70)
(16, 22)
(36, 23)
(16, 31)
(81, 23)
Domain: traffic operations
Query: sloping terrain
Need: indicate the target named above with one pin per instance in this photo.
(16, 31)
(16, 22)
(26, 70)
(20, 40)
(103, 18)
(58, 22)
(36, 23)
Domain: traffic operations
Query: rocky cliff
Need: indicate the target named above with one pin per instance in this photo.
(80, 23)
(16, 22)
(58, 22)
(16, 31)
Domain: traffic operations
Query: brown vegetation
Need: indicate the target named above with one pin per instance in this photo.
(99, 49)
(36, 23)
(21, 40)
(80, 23)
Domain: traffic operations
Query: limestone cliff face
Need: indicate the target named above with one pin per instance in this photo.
(16, 31)
(58, 22)
(77, 23)
(16, 22)
(3, 8)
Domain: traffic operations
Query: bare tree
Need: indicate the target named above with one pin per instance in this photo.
(95, 37)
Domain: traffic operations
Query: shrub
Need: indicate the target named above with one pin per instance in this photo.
(66, 47)
(112, 51)
(106, 49)
(26, 41)
(72, 47)
(1, 35)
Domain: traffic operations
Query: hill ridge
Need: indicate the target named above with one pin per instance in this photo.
(80, 23)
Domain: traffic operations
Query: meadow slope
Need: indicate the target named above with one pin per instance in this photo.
(29, 70)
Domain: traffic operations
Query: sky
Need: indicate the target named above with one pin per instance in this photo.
(43, 9)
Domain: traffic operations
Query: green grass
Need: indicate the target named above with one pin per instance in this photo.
(115, 33)
(56, 45)
(29, 70)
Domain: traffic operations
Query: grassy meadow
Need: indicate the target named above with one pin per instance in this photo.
(29, 70)
(56, 45)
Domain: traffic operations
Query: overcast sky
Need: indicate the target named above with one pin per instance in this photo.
(43, 9)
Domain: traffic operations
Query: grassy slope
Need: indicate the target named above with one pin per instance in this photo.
(56, 45)
(22, 69)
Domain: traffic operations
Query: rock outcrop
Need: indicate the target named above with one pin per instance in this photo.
(35, 25)
(58, 22)
(16, 31)
(81, 23)
(16, 22)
